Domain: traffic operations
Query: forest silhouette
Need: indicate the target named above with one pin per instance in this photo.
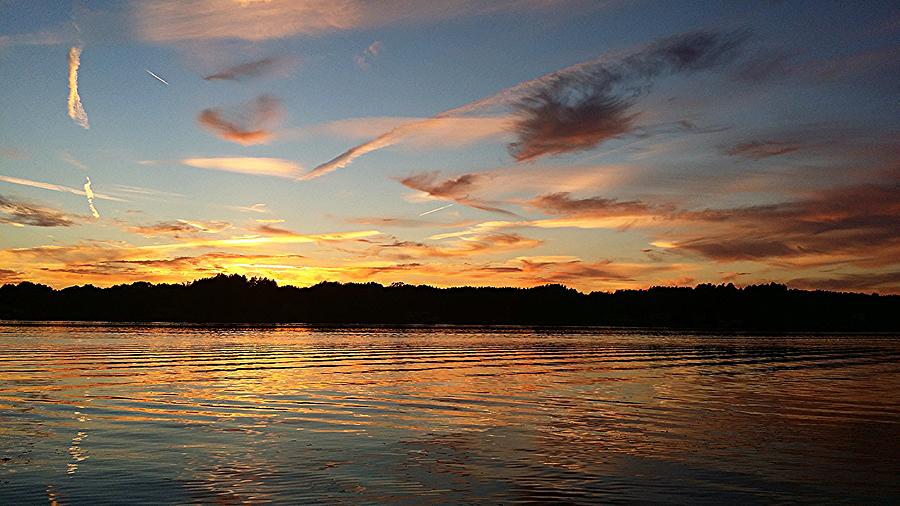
(238, 299)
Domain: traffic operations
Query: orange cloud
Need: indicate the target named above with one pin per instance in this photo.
(255, 20)
(458, 190)
(440, 133)
(246, 124)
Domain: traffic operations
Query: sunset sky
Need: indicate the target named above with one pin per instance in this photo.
(602, 145)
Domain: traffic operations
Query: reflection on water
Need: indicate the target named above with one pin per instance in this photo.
(454, 415)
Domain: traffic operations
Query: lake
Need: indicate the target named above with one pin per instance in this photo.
(292, 414)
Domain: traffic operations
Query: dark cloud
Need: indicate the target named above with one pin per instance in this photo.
(273, 230)
(562, 203)
(251, 69)
(580, 109)
(758, 150)
(886, 281)
(11, 276)
(247, 124)
(856, 224)
(18, 212)
(458, 190)
(767, 66)
(481, 244)
(178, 228)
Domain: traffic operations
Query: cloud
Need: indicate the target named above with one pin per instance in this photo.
(582, 108)
(364, 60)
(567, 271)
(20, 213)
(579, 106)
(549, 125)
(269, 229)
(458, 190)
(11, 276)
(563, 203)
(89, 193)
(247, 124)
(44, 38)
(442, 133)
(255, 208)
(844, 225)
(248, 70)
(395, 222)
(68, 158)
(180, 228)
(13, 153)
(757, 150)
(56, 188)
(490, 243)
(887, 282)
(145, 192)
(256, 20)
(76, 110)
(247, 165)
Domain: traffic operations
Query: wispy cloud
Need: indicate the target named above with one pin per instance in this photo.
(458, 190)
(56, 188)
(180, 228)
(89, 193)
(68, 158)
(145, 192)
(247, 165)
(76, 110)
(442, 133)
(247, 124)
(252, 69)
(13, 153)
(485, 244)
(888, 282)
(255, 208)
(579, 106)
(21, 213)
(43, 38)
(563, 203)
(256, 20)
(395, 222)
(758, 150)
(364, 60)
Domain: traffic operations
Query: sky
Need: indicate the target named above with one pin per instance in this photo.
(598, 144)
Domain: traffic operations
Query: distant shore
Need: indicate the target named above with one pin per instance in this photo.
(235, 299)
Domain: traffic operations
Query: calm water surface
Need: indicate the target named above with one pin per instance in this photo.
(138, 414)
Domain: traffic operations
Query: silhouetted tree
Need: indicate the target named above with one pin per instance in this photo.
(235, 298)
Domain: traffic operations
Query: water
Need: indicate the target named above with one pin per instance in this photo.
(138, 414)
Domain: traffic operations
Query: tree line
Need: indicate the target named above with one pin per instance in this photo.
(238, 299)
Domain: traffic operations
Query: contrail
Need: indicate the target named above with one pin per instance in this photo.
(90, 196)
(54, 187)
(436, 210)
(160, 79)
(76, 110)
